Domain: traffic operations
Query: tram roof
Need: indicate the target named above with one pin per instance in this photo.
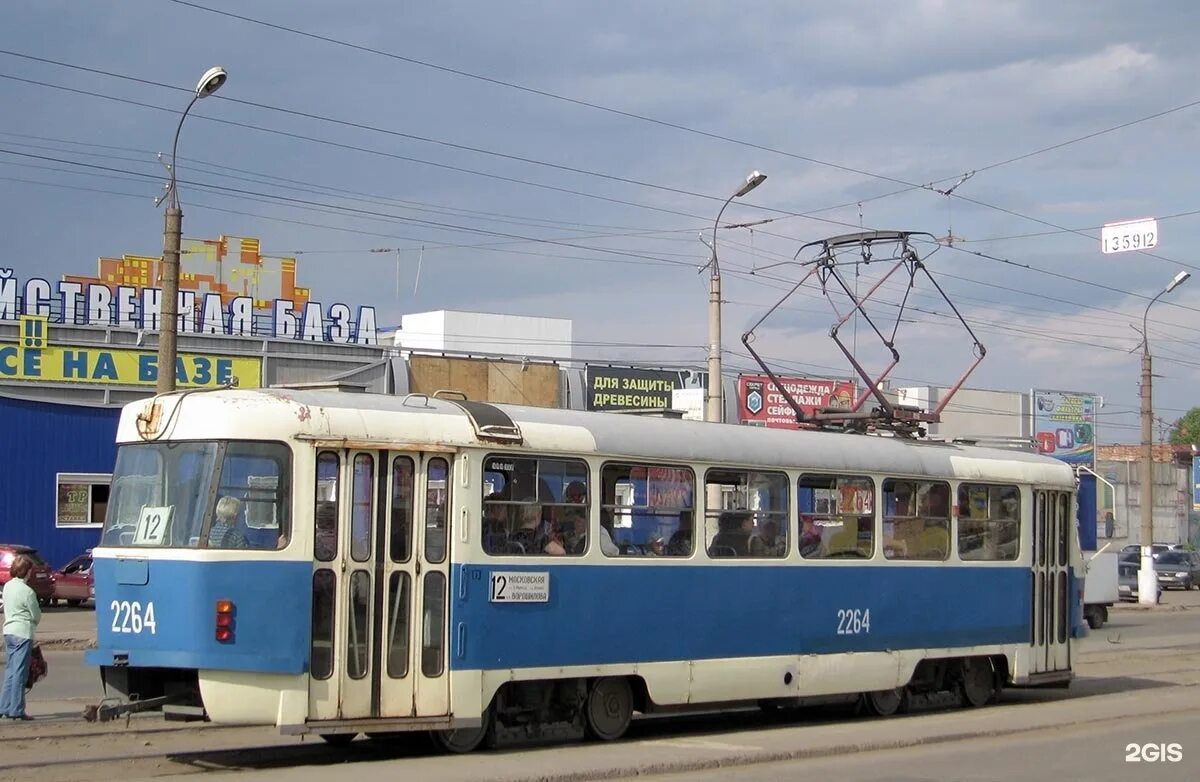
(319, 414)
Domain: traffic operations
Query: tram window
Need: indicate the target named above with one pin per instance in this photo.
(402, 509)
(138, 482)
(535, 506)
(989, 522)
(745, 514)
(433, 624)
(1039, 537)
(258, 477)
(362, 506)
(323, 601)
(437, 503)
(326, 511)
(397, 645)
(358, 628)
(916, 519)
(166, 494)
(1064, 526)
(647, 510)
(837, 516)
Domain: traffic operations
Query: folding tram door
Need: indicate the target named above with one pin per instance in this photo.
(1051, 610)
(380, 586)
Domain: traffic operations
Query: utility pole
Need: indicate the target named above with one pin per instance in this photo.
(713, 402)
(168, 325)
(1147, 579)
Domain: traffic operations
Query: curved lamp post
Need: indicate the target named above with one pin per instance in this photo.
(1147, 580)
(713, 397)
(209, 83)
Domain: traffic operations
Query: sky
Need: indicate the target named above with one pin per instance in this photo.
(561, 159)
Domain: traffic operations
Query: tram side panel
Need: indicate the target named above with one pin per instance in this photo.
(685, 628)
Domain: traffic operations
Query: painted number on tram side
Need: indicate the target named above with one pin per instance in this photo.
(854, 621)
(131, 617)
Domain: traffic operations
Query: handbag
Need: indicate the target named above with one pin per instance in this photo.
(37, 667)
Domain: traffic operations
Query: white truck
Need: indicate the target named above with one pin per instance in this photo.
(1099, 586)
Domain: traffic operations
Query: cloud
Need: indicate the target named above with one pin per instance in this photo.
(912, 91)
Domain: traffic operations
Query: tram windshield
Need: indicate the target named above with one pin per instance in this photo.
(200, 494)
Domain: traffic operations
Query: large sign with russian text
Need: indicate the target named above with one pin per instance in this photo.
(220, 292)
(1064, 425)
(123, 367)
(618, 388)
(761, 403)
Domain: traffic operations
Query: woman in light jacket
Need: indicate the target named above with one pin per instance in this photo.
(21, 617)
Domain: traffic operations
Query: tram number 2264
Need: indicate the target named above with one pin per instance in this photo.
(131, 617)
(854, 621)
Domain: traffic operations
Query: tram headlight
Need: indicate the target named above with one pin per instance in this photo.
(224, 628)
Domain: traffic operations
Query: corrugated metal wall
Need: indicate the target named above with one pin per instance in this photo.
(43, 439)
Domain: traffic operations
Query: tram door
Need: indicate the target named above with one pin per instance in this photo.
(1051, 609)
(387, 614)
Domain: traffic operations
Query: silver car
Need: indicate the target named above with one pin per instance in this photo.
(1177, 569)
(1127, 578)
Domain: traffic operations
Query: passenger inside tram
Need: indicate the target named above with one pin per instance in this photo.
(224, 532)
(765, 542)
(572, 530)
(733, 536)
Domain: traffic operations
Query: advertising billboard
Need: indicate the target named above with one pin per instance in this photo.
(761, 404)
(621, 388)
(34, 358)
(1064, 425)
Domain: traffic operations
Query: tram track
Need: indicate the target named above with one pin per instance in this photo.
(59, 755)
(65, 751)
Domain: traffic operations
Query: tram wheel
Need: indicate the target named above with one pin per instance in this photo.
(339, 739)
(978, 685)
(609, 708)
(885, 703)
(460, 741)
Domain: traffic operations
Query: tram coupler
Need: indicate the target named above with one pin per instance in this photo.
(110, 708)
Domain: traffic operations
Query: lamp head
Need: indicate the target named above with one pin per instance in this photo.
(754, 180)
(211, 81)
(1180, 279)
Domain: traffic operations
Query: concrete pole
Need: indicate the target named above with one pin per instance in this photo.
(713, 399)
(1147, 579)
(714, 409)
(168, 325)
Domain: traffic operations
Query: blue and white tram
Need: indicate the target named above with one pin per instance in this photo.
(337, 562)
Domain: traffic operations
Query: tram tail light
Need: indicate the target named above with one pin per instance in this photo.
(224, 629)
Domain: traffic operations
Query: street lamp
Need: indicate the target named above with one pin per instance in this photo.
(168, 326)
(1147, 581)
(713, 398)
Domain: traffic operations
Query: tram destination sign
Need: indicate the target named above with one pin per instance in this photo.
(519, 587)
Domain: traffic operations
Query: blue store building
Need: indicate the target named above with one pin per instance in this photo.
(61, 428)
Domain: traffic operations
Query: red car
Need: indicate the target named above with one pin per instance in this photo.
(40, 579)
(74, 582)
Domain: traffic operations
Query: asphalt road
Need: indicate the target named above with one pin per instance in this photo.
(1098, 752)
(1139, 682)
